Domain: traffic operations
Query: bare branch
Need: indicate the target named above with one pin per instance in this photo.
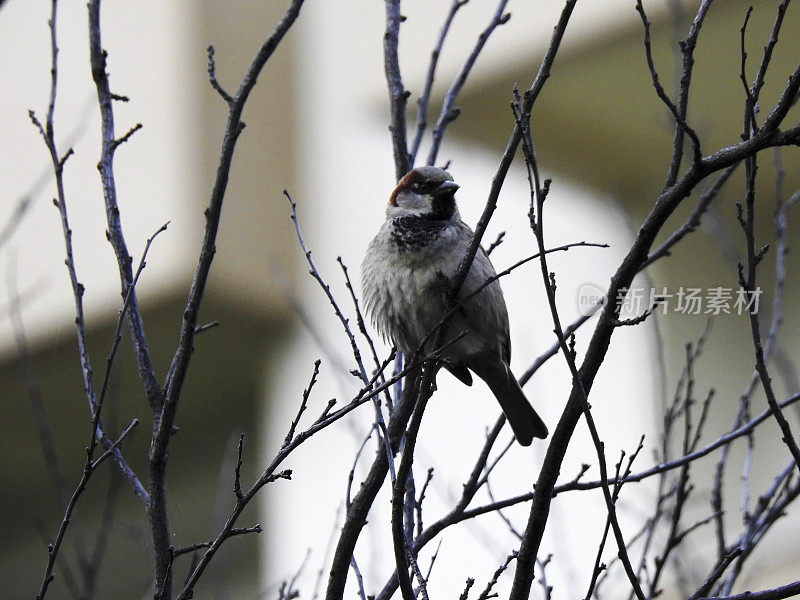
(362, 501)
(680, 118)
(449, 113)
(237, 484)
(687, 51)
(752, 93)
(113, 447)
(234, 532)
(716, 574)
(359, 508)
(547, 590)
(88, 470)
(693, 222)
(425, 96)
(362, 373)
(402, 551)
(212, 76)
(720, 442)
(468, 492)
(114, 233)
(748, 282)
(359, 579)
(538, 195)
(47, 132)
(778, 593)
(498, 240)
(303, 403)
(493, 581)
(398, 96)
(768, 136)
(203, 328)
(467, 587)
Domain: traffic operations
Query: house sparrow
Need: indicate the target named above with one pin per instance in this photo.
(405, 277)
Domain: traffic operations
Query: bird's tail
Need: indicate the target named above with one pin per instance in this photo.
(524, 420)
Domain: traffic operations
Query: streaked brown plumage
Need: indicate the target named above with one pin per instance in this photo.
(405, 274)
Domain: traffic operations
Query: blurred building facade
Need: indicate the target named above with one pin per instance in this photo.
(317, 126)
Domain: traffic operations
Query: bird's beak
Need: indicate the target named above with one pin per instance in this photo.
(446, 188)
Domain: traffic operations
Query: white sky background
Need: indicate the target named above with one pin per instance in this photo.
(340, 208)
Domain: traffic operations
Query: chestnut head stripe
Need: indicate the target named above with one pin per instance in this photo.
(405, 183)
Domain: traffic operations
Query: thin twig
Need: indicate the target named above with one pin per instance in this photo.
(748, 283)
(547, 590)
(770, 135)
(304, 402)
(88, 470)
(362, 325)
(362, 372)
(115, 445)
(469, 489)
(680, 119)
(47, 132)
(203, 328)
(212, 76)
(418, 502)
(449, 113)
(235, 531)
(687, 52)
(538, 196)
(352, 474)
(467, 587)
(176, 375)
(123, 313)
(493, 581)
(683, 488)
(237, 472)
(770, 507)
(362, 500)
(498, 240)
(750, 102)
(97, 57)
(754, 91)
(425, 96)
(693, 222)
(359, 579)
(785, 591)
(720, 442)
(714, 576)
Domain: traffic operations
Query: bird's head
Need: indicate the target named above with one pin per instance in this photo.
(425, 191)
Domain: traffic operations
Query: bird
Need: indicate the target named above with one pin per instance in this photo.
(405, 279)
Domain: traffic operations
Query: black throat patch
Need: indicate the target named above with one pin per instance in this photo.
(412, 233)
